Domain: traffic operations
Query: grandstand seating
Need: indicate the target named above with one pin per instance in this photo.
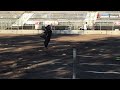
(64, 18)
(107, 19)
(7, 18)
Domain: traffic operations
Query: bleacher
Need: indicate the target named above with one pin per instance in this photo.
(10, 14)
(64, 18)
(107, 19)
(74, 19)
(59, 15)
(7, 18)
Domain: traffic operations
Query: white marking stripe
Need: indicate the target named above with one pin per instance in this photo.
(99, 64)
(104, 72)
(78, 55)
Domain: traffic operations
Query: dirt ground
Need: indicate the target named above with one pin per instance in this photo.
(24, 57)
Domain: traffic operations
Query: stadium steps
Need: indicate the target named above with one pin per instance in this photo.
(22, 20)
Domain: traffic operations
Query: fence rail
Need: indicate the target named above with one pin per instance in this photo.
(81, 32)
(6, 24)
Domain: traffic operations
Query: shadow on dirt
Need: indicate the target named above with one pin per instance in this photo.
(24, 57)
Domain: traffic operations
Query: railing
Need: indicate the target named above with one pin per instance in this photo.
(6, 24)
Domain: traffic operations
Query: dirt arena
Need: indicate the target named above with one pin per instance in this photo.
(24, 57)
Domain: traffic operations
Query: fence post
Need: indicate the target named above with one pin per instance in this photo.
(10, 25)
(100, 26)
(74, 63)
(22, 26)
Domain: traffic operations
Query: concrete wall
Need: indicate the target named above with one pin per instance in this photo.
(68, 31)
(20, 31)
(110, 32)
(94, 32)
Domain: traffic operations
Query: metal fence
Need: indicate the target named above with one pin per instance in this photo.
(68, 25)
(106, 26)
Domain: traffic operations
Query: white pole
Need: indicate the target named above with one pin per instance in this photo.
(100, 25)
(74, 60)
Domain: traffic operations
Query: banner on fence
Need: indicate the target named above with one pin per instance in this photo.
(114, 15)
(104, 15)
(117, 23)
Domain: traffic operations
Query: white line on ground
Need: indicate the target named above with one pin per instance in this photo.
(109, 72)
(99, 64)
